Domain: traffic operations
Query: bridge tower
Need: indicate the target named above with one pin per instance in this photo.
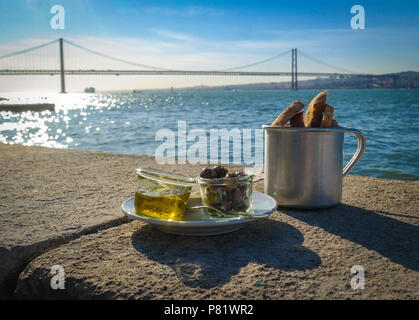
(395, 81)
(369, 81)
(294, 80)
(62, 66)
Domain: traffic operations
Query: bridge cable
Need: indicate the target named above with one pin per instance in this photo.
(163, 69)
(258, 62)
(113, 58)
(28, 50)
(326, 64)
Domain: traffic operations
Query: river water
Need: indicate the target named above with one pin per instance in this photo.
(128, 122)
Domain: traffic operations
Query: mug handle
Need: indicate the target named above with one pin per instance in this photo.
(359, 151)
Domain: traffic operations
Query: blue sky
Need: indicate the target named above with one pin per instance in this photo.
(221, 34)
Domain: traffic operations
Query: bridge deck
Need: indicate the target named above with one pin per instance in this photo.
(6, 72)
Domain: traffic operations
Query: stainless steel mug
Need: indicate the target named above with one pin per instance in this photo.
(303, 166)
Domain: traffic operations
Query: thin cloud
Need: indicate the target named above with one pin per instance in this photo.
(269, 44)
(172, 35)
(186, 11)
(303, 31)
(128, 11)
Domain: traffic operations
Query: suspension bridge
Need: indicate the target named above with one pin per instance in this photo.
(27, 68)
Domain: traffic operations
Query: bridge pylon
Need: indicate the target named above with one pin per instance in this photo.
(369, 81)
(62, 71)
(294, 78)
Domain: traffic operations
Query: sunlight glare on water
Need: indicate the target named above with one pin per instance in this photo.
(46, 128)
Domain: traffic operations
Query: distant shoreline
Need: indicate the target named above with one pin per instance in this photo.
(218, 89)
(400, 80)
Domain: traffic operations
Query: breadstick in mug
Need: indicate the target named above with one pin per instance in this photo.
(313, 115)
(288, 114)
(297, 120)
(327, 117)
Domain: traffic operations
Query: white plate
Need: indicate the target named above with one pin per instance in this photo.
(198, 223)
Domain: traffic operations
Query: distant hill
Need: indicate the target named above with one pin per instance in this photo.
(408, 79)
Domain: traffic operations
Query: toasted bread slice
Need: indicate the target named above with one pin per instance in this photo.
(297, 120)
(313, 115)
(334, 123)
(288, 113)
(326, 120)
(327, 117)
(329, 109)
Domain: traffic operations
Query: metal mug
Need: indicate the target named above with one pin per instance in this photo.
(303, 166)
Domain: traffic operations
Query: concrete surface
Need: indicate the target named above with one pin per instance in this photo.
(62, 207)
(27, 107)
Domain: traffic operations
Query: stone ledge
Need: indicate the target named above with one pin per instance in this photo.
(27, 107)
(292, 255)
(50, 197)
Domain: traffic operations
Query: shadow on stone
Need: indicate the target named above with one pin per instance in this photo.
(210, 261)
(393, 239)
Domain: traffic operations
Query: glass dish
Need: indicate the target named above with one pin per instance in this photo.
(230, 195)
(160, 194)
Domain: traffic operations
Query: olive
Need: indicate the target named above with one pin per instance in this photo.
(220, 171)
(229, 195)
(208, 173)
